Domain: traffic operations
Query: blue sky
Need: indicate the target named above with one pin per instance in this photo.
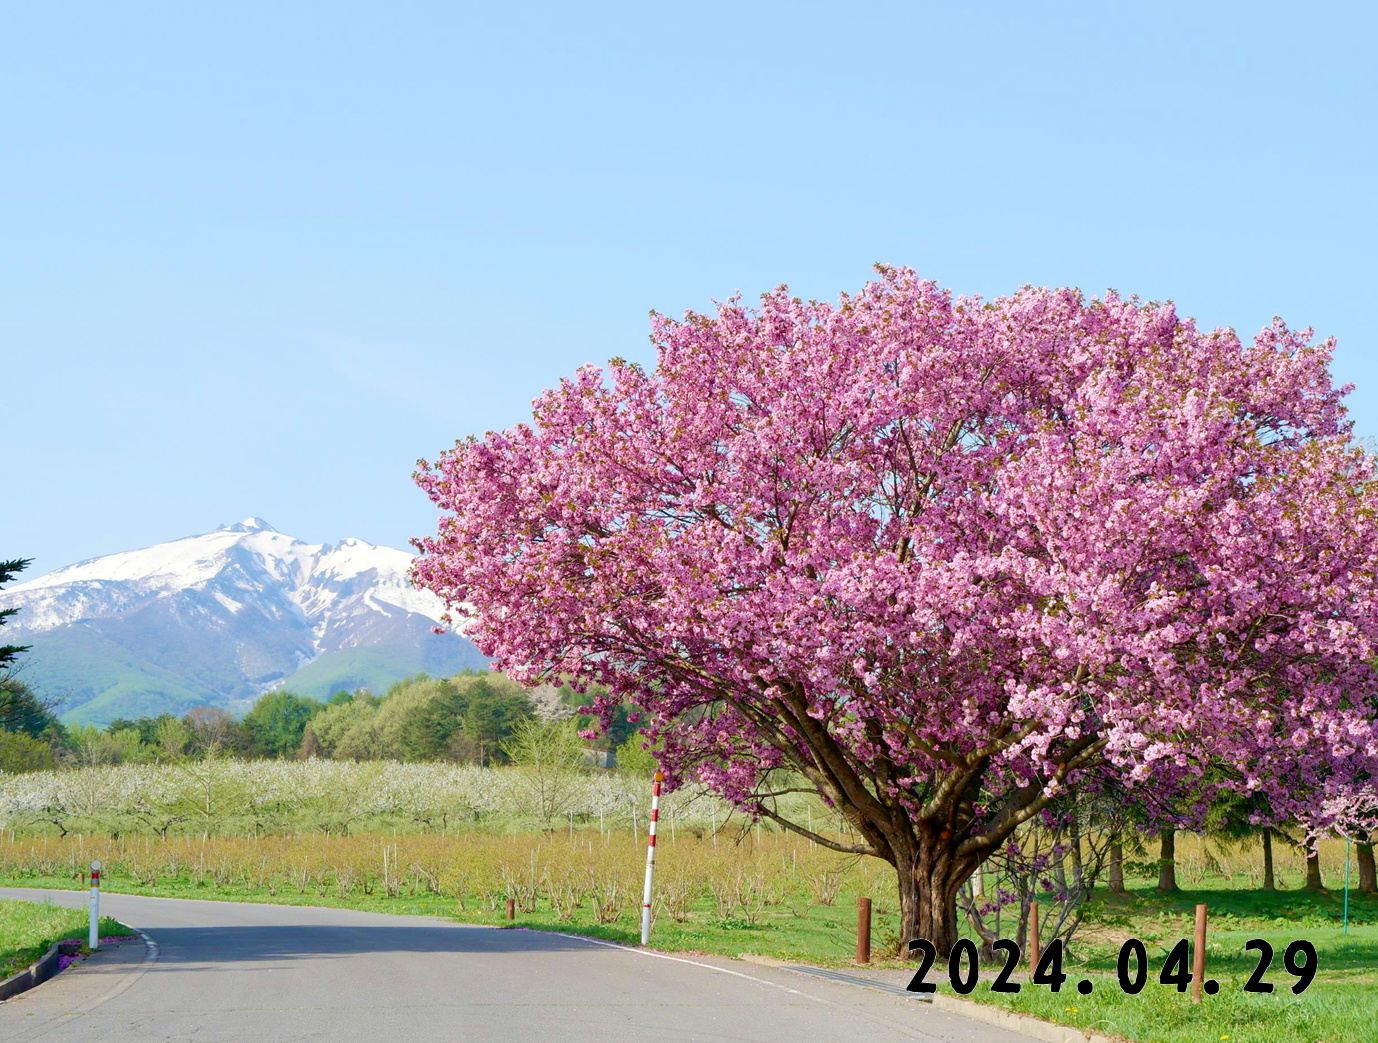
(258, 260)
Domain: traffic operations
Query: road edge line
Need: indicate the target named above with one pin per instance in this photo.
(680, 959)
(151, 951)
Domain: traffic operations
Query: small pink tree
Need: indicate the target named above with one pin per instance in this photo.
(937, 560)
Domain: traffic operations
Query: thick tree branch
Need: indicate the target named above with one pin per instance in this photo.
(851, 849)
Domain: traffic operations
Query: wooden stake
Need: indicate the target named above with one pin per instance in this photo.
(1033, 936)
(863, 930)
(511, 908)
(1198, 963)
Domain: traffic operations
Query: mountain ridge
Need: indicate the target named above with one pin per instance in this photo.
(221, 617)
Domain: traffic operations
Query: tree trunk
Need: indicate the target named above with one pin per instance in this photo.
(1117, 866)
(1078, 870)
(1167, 862)
(1368, 880)
(1313, 871)
(928, 899)
(1269, 880)
(972, 892)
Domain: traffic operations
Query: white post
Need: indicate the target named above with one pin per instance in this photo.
(93, 937)
(650, 860)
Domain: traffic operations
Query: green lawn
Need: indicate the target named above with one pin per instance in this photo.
(27, 929)
(1329, 1012)
(1340, 1005)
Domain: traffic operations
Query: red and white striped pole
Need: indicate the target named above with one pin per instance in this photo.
(650, 859)
(93, 935)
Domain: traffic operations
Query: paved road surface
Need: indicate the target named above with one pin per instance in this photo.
(242, 973)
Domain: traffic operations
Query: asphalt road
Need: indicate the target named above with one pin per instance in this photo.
(225, 971)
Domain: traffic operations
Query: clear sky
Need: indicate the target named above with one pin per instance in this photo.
(256, 259)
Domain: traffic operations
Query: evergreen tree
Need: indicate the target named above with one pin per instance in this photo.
(277, 722)
(492, 718)
(23, 711)
(8, 570)
(439, 720)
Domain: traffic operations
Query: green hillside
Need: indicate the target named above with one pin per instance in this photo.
(376, 667)
(98, 680)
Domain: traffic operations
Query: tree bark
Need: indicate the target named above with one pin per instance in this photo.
(1117, 866)
(935, 848)
(1313, 871)
(1269, 879)
(928, 898)
(971, 892)
(1167, 862)
(1078, 870)
(1368, 880)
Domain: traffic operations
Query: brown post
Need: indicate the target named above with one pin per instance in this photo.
(1033, 936)
(1198, 962)
(511, 908)
(863, 930)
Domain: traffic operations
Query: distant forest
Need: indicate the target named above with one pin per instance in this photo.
(469, 718)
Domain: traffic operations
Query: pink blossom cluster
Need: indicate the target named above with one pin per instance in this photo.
(1342, 806)
(1047, 535)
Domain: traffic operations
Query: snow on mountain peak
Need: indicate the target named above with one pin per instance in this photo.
(253, 524)
(220, 617)
(231, 561)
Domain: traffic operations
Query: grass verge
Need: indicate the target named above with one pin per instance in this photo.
(1339, 1006)
(28, 929)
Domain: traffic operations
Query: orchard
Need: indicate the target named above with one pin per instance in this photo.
(941, 561)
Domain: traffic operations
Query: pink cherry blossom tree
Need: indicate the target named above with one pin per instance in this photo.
(937, 560)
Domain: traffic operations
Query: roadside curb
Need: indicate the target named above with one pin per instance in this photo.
(1025, 1023)
(150, 946)
(45, 967)
(1047, 1031)
(35, 973)
(765, 961)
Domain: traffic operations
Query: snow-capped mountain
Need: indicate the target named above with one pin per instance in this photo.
(222, 617)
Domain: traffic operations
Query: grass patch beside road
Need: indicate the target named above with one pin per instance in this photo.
(1340, 1005)
(28, 929)
(1327, 1012)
